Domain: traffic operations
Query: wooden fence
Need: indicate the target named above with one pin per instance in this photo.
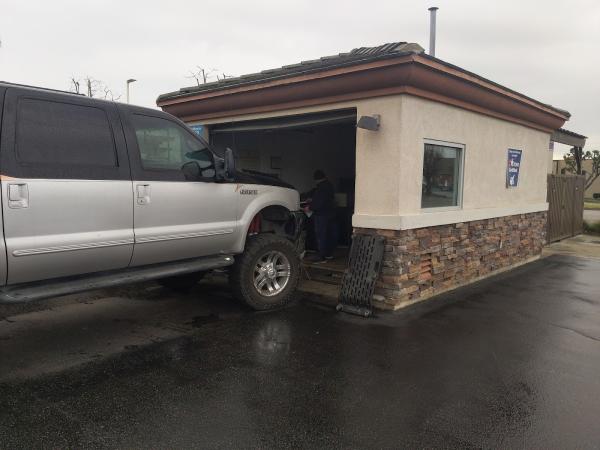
(565, 214)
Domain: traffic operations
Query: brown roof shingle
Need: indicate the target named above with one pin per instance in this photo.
(355, 56)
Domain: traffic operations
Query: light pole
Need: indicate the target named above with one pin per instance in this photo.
(131, 80)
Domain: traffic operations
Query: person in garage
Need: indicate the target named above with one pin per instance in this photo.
(322, 206)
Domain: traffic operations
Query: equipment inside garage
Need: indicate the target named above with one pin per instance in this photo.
(292, 148)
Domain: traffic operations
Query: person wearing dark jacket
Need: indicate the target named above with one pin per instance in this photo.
(322, 204)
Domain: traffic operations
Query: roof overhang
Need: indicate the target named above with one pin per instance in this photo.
(567, 137)
(413, 74)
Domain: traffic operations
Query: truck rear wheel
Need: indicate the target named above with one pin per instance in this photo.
(266, 275)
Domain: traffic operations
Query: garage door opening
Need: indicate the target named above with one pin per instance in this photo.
(292, 149)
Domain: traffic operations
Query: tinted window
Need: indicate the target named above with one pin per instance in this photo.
(164, 145)
(63, 134)
(441, 176)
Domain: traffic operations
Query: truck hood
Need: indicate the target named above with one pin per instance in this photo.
(252, 177)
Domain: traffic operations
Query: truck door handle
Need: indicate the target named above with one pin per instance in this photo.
(143, 194)
(18, 195)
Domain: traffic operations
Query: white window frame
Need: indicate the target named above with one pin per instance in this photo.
(461, 171)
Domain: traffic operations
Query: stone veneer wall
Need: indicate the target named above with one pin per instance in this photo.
(423, 262)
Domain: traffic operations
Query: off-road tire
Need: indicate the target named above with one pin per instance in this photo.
(241, 276)
(181, 283)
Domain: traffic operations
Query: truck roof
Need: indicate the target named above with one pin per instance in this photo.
(37, 88)
(7, 84)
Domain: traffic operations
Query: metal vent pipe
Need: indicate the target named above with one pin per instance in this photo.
(432, 25)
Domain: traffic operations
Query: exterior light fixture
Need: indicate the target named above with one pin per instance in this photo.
(370, 123)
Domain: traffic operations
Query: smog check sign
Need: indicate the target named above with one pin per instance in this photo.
(512, 167)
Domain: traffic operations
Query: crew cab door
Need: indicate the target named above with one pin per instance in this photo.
(66, 189)
(180, 210)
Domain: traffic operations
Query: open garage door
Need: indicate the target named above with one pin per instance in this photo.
(292, 148)
(288, 122)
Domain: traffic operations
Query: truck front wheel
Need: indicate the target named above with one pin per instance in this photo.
(266, 275)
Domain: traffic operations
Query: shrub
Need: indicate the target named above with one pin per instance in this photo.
(591, 227)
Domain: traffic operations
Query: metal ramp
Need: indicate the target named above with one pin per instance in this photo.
(358, 282)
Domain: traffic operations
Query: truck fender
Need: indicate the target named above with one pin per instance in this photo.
(256, 207)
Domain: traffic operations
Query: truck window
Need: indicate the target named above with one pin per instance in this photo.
(64, 134)
(164, 145)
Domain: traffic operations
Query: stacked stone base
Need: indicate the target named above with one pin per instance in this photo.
(424, 262)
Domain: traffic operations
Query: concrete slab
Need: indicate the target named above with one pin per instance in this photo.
(318, 291)
(584, 245)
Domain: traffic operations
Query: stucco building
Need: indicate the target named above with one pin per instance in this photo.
(433, 178)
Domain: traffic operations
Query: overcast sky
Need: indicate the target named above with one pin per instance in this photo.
(548, 50)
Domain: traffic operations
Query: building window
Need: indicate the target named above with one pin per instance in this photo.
(442, 175)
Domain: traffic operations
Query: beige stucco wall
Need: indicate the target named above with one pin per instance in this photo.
(389, 162)
(486, 140)
(378, 183)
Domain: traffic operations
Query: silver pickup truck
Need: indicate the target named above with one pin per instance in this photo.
(96, 193)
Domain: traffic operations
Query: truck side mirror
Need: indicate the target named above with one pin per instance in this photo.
(229, 163)
(191, 171)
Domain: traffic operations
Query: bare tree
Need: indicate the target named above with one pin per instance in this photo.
(224, 76)
(90, 86)
(75, 83)
(201, 75)
(109, 95)
(93, 88)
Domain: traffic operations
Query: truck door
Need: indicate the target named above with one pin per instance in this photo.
(178, 213)
(66, 187)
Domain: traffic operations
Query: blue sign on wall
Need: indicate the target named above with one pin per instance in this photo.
(512, 168)
(198, 129)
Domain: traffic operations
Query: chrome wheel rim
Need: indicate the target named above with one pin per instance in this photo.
(271, 273)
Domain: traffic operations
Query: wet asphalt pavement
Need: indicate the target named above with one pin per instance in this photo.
(511, 362)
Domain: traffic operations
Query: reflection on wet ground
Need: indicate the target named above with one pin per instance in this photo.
(511, 362)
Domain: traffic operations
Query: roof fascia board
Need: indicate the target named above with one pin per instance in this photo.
(406, 90)
(457, 72)
(427, 61)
